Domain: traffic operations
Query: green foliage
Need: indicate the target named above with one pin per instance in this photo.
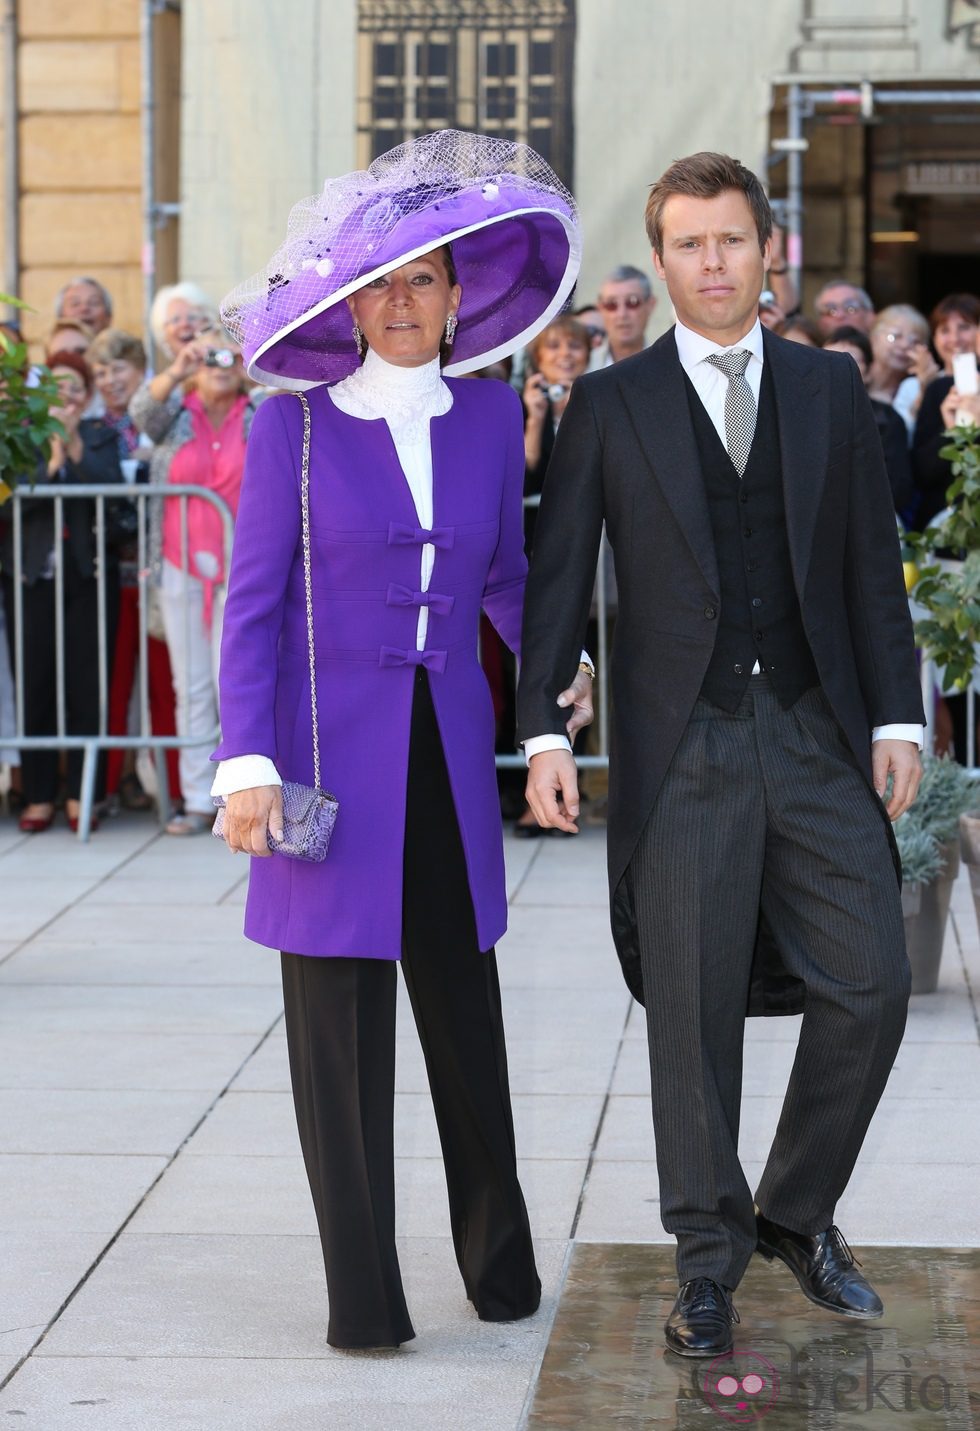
(951, 594)
(922, 859)
(26, 398)
(946, 792)
(952, 627)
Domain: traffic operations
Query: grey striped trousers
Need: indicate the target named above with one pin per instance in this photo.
(764, 809)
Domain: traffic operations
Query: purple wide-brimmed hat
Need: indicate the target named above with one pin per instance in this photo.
(515, 238)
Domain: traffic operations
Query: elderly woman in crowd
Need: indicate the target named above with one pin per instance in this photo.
(87, 454)
(902, 366)
(202, 444)
(118, 361)
(461, 249)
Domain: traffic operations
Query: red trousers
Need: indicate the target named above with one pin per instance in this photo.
(161, 689)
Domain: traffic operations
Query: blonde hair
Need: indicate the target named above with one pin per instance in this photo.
(901, 312)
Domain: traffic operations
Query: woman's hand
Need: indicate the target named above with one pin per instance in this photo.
(955, 402)
(250, 815)
(536, 399)
(923, 365)
(189, 358)
(579, 697)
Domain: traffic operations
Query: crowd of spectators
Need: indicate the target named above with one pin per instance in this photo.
(188, 421)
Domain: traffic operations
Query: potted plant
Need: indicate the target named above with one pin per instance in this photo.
(947, 792)
(922, 861)
(28, 394)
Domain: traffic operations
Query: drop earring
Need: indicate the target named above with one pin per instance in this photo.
(452, 322)
(358, 340)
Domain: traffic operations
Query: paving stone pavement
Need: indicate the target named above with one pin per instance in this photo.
(160, 1263)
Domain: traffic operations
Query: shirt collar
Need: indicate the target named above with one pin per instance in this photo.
(693, 348)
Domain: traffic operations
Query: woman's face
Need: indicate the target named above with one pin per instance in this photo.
(72, 394)
(182, 323)
(215, 383)
(403, 314)
(894, 345)
(561, 356)
(115, 382)
(955, 334)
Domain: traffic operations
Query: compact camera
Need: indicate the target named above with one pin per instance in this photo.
(219, 358)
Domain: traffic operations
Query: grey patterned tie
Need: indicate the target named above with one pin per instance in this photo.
(739, 405)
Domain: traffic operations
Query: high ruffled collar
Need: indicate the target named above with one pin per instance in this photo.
(405, 397)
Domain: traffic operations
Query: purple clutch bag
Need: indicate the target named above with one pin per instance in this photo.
(308, 813)
(308, 818)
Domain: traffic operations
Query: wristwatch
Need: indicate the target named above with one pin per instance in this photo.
(586, 665)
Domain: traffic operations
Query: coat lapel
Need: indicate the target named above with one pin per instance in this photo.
(802, 392)
(656, 399)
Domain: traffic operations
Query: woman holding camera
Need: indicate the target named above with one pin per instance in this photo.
(204, 446)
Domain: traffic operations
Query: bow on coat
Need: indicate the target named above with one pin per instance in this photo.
(434, 600)
(431, 660)
(401, 536)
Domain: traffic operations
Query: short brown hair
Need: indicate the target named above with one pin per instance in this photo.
(705, 176)
(114, 345)
(956, 305)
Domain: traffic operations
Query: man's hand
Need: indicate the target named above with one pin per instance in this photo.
(552, 790)
(579, 697)
(249, 814)
(900, 759)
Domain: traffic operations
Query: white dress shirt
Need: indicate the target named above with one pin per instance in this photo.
(405, 398)
(711, 386)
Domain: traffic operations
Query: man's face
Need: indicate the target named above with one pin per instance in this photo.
(841, 304)
(83, 304)
(712, 264)
(625, 311)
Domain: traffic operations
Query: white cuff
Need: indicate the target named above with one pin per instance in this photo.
(540, 743)
(243, 772)
(913, 733)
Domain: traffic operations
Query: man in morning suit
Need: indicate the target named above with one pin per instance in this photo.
(764, 689)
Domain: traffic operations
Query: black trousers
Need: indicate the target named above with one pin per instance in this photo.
(39, 768)
(340, 1028)
(764, 810)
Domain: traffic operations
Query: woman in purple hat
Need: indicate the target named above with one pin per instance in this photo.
(450, 252)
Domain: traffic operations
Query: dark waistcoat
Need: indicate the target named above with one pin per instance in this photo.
(759, 618)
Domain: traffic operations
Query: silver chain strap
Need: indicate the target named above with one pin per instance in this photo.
(308, 578)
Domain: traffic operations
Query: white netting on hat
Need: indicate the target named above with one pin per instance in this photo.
(409, 200)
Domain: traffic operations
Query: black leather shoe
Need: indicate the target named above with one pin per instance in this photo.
(824, 1266)
(701, 1322)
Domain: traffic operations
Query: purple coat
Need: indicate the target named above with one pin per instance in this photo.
(366, 550)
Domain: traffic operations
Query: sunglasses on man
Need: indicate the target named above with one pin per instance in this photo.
(613, 305)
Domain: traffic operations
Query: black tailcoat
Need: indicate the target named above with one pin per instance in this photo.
(626, 454)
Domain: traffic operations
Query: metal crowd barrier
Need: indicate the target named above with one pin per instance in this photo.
(93, 743)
